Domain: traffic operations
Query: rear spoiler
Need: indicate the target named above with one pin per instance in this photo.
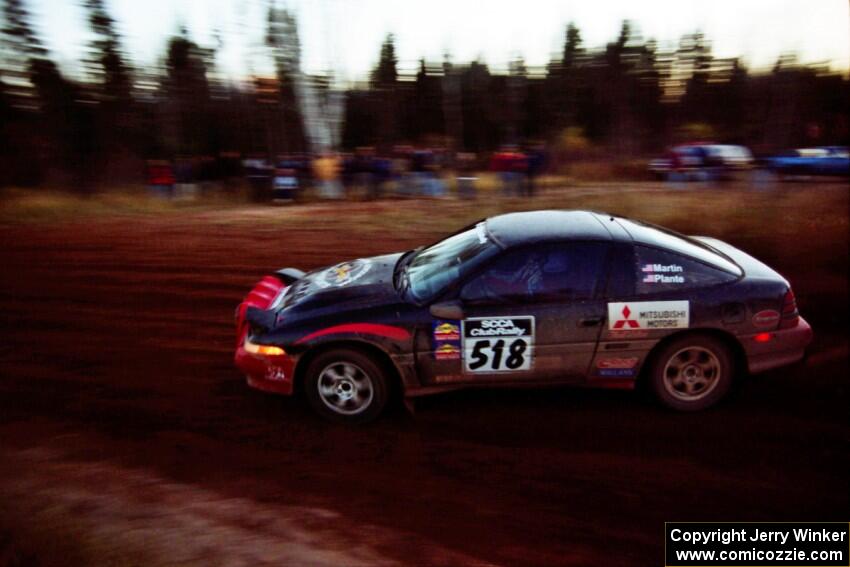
(289, 275)
(256, 314)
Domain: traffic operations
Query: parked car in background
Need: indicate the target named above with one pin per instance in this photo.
(701, 162)
(826, 160)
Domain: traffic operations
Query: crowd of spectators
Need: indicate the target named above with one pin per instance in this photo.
(364, 173)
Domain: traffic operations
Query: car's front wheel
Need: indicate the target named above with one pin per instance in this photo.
(692, 373)
(346, 385)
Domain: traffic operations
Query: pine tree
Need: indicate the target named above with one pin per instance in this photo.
(21, 46)
(188, 95)
(569, 79)
(50, 135)
(282, 39)
(385, 74)
(695, 63)
(383, 81)
(107, 65)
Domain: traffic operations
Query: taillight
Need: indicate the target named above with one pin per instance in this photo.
(790, 315)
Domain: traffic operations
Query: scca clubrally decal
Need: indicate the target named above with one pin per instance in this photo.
(498, 344)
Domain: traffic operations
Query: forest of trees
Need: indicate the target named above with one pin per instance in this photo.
(628, 98)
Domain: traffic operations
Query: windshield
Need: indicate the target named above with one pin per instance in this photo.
(434, 268)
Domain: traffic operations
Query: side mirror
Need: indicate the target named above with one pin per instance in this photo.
(447, 310)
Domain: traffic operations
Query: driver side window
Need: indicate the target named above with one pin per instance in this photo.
(552, 272)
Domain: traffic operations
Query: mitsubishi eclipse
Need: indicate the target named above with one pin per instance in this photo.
(522, 299)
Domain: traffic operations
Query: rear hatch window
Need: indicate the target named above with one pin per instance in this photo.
(652, 235)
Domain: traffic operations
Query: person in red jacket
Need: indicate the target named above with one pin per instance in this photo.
(510, 165)
(160, 177)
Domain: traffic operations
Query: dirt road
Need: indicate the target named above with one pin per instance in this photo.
(128, 436)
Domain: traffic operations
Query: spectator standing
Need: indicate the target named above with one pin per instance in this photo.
(466, 177)
(184, 173)
(364, 174)
(401, 169)
(510, 165)
(259, 174)
(326, 170)
(537, 161)
(419, 171)
(160, 178)
(518, 164)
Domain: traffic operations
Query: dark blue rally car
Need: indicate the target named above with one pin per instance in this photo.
(522, 299)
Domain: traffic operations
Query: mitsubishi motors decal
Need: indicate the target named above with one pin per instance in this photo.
(648, 315)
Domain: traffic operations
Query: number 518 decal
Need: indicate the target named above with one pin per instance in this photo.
(498, 344)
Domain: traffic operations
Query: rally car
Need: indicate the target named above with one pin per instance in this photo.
(531, 298)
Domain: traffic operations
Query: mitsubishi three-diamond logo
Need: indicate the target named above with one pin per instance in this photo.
(625, 321)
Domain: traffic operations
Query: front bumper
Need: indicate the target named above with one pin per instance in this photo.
(785, 346)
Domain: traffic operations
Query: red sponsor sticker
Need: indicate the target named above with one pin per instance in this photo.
(446, 332)
(629, 362)
(766, 318)
(443, 378)
(447, 352)
(621, 334)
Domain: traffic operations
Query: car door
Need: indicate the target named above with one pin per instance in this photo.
(533, 313)
(652, 293)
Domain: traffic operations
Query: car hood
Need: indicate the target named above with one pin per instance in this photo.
(357, 283)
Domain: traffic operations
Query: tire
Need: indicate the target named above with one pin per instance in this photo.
(346, 386)
(691, 373)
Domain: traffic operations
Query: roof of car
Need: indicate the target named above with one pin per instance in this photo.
(514, 229)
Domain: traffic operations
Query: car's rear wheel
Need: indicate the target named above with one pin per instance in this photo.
(692, 373)
(346, 385)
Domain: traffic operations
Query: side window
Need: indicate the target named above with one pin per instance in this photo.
(621, 273)
(551, 272)
(659, 271)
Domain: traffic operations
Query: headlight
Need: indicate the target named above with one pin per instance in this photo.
(265, 350)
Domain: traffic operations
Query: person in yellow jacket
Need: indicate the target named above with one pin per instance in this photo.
(326, 170)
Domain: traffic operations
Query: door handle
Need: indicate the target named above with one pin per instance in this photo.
(589, 321)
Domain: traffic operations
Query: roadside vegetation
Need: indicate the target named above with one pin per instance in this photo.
(800, 229)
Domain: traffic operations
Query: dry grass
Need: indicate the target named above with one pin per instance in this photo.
(799, 229)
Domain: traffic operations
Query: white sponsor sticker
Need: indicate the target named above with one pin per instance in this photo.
(648, 315)
(498, 344)
(662, 273)
(665, 268)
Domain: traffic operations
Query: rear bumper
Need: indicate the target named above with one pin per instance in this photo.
(273, 374)
(267, 373)
(785, 346)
